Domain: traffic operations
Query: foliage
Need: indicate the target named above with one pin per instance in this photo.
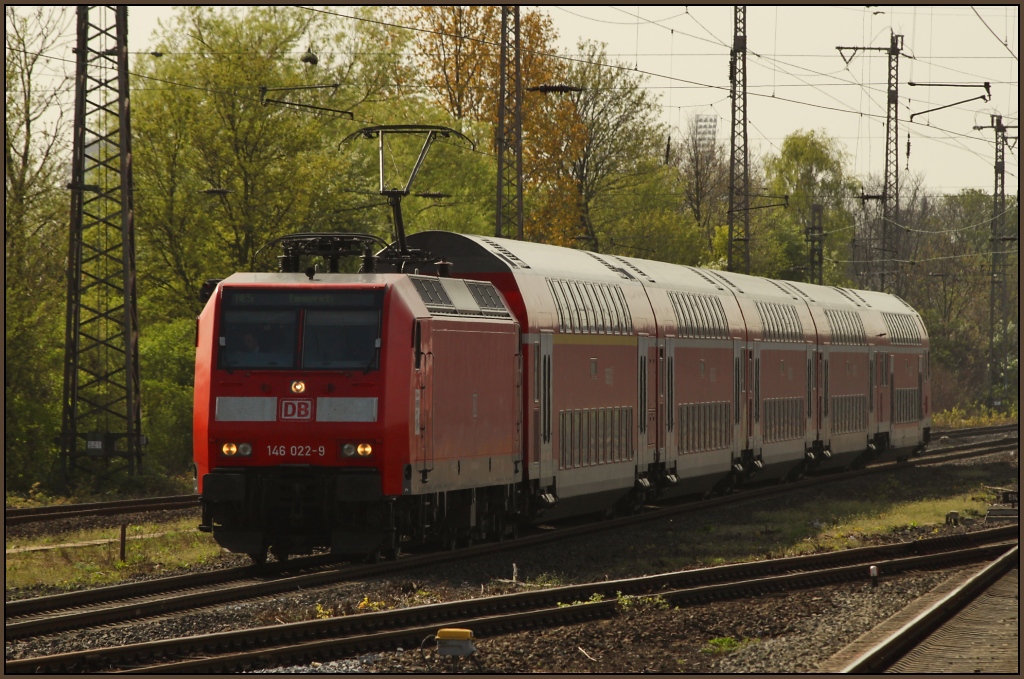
(367, 605)
(35, 243)
(619, 137)
(975, 415)
(703, 180)
(167, 364)
(629, 603)
(810, 168)
(725, 645)
(177, 545)
(595, 598)
(218, 175)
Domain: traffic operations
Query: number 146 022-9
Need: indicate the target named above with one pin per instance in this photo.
(296, 451)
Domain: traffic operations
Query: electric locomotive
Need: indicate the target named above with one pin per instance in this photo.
(315, 404)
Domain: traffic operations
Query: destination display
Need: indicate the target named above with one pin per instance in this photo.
(310, 299)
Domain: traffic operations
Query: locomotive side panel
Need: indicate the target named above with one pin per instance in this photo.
(474, 411)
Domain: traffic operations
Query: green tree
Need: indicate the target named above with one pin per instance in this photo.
(220, 174)
(36, 207)
(810, 168)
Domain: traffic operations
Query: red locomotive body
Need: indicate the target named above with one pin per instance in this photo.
(315, 400)
(539, 381)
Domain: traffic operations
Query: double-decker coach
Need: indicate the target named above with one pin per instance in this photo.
(650, 377)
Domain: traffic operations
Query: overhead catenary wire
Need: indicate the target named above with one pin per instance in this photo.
(950, 135)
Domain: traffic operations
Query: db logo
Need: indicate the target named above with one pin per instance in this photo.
(296, 409)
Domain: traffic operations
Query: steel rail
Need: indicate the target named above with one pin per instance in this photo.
(248, 588)
(20, 515)
(889, 651)
(975, 431)
(492, 615)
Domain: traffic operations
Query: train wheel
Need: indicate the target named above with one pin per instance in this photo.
(279, 553)
(373, 557)
(259, 558)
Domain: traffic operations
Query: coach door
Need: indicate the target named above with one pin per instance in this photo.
(812, 432)
(423, 419)
(661, 421)
(824, 410)
(739, 398)
(542, 436)
(647, 400)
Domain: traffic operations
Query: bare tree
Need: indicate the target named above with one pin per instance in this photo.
(703, 165)
(35, 124)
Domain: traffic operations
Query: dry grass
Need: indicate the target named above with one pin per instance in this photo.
(835, 516)
(180, 546)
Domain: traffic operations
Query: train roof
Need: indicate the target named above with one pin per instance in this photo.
(486, 254)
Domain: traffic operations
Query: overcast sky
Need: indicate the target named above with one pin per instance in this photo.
(797, 79)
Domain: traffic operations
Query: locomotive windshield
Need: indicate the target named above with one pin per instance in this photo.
(308, 330)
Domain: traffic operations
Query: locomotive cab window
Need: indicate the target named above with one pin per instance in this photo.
(335, 330)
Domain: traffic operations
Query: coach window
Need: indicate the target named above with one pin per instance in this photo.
(564, 315)
(587, 307)
(616, 322)
(628, 328)
(583, 319)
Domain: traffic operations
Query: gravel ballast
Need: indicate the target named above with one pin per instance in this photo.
(794, 632)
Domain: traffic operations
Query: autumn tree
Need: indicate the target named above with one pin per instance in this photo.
(620, 138)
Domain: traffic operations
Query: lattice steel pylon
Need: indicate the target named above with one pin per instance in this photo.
(509, 213)
(999, 323)
(890, 196)
(101, 407)
(739, 166)
(891, 188)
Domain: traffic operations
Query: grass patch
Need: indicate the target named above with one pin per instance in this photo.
(974, 415)
(840, 515)
(69, 567)
(724, 645)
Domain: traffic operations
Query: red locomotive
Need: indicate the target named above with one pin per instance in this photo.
(357, 411)
(500, 381)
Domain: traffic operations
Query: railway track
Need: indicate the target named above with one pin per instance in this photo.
(974, 431)
(133, 601)
(16, 516)
(487, 616)
(974, 615)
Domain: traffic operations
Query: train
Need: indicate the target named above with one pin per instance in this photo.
(491, 383)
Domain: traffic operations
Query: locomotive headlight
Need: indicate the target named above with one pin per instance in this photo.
(364, 449)
(298, 387)
(229, 449)
(348, 450)
(245, 449)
